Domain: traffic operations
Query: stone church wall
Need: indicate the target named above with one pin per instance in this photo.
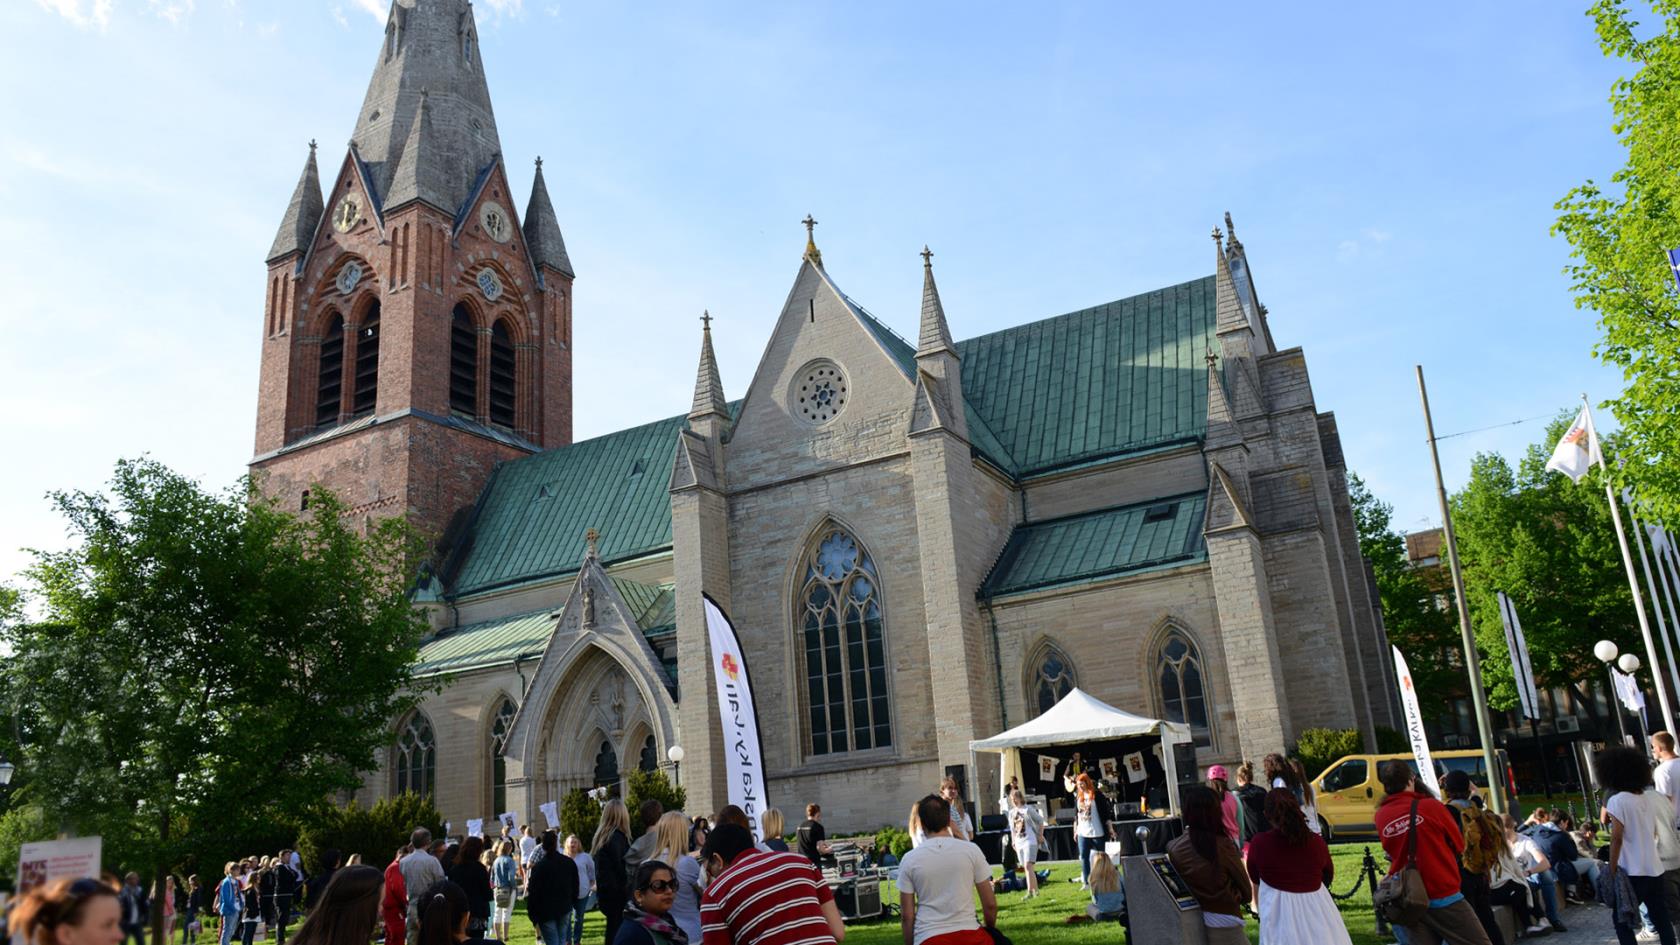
(1121, 483)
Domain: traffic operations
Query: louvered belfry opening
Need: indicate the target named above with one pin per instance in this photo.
(501, 376)
(463, 364)
(329, 384)
(367, 364)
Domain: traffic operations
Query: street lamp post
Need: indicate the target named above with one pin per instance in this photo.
(1606, 652)
(675, 753)
(1629, 664)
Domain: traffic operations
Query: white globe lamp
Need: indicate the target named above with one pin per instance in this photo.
(1605, 651)
(675, 753)
(1629, 663)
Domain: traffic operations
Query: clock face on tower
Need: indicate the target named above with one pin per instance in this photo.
(346, 214)
(496, 222)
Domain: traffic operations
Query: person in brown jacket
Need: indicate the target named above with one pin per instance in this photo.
(1212, 867)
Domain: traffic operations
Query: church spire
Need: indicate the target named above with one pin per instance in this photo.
(430, 46)
(708, 383)
(936, 334)
(542, 229)
(297, 227)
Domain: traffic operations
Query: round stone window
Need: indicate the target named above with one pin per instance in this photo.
(820, 392)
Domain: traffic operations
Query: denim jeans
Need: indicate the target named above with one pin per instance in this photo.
(1087, 845)
(1546, 880)
(229, 923)
(549, 931)
(572, 933)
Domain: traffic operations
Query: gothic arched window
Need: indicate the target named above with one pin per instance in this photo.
(1052, 678)
(463, 363)
(501, 376)
(840, 624)
(329, 380)
(606, 766)
(650, 755)
(416, 756)
(367, 364)
(1178, 670)
(500, 726)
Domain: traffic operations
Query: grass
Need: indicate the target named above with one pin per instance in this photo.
(1041, 921)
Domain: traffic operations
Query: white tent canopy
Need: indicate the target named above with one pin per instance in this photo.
(1080, 717)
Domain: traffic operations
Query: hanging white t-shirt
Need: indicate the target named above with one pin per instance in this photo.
(942, 874)
(1642, 815)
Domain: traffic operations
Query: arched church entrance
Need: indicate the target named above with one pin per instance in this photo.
(596, 729)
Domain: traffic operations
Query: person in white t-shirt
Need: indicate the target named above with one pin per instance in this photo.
(937, 882)
(1641, 823)
(527, 846)
(1667, 774)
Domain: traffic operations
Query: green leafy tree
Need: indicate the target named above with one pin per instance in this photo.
(580, 814)
(375, 832)
(205, 663)
(1617, 237)
(652, 786)
(1417, 616)
(1551, 545)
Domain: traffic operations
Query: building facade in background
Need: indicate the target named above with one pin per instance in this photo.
(920, 542)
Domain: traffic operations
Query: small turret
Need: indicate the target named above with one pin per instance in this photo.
(303, 214)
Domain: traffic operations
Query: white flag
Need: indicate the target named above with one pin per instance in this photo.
(1627, 689)
(1522, 672)
(743, 753)
(1659, 540)
(1578, 449)
(1414, 723)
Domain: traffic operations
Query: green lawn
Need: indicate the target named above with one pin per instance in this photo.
(1040, 921)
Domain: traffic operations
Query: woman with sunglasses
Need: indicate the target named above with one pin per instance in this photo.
(68, 912)
(647, 920)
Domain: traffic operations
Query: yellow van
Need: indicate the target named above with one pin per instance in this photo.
(1347, 793)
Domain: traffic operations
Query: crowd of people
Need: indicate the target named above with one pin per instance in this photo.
(1249, 844)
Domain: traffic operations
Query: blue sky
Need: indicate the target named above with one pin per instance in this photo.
(1391, 169)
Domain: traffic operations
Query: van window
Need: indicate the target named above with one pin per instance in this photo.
(1470, 766)
(1348, 774)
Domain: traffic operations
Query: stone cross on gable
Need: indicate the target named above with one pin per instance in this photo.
(706, 320)
(927, 256)
(590, 537)
(810, 227)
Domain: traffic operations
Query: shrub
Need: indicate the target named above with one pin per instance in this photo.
(1318, 747)
(1391, 742)
(892, 839)
(579, 814)
(375, 832)
(654, 786)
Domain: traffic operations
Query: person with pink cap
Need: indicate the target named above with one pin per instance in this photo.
(1218, 779)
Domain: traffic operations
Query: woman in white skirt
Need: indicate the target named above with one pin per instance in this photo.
(1290, 866)
(1026, 831)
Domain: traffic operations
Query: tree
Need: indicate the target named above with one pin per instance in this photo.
(1551, 545)
(204, 662)
(1617, 237)
(1417, 617)
(653, 786)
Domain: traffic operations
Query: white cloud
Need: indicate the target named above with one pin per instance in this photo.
(1369, 242)
(81, 13)
(338, 15)
(172, 10)
(378, 9)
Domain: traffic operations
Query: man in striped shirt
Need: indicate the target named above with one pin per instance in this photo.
(759, 898)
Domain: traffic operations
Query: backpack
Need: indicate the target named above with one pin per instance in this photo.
(1481, 846)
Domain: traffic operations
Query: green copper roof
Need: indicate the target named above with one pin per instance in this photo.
(1113, 379)
(486, 644)
(531, 519)
(1100, 544)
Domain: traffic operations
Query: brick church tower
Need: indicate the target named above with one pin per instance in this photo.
(415, 333)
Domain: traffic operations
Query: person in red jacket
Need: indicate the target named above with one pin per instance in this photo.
(394, 905)
(1439, 844)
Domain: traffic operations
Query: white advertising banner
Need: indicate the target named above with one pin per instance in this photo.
(1414, 723)
(743, 753)
(42, 863)
(1522, 672)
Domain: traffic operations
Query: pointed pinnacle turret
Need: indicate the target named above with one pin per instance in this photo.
(542, 228)
(420, 175)
(811, 251)
(297, 227)
(708, 383)
(935, 334)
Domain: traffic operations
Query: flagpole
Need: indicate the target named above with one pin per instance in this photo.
(1627, 564)
(1472, 661)
(1656, 604)
(1665, 580)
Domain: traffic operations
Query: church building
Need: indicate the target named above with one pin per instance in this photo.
(920, 542)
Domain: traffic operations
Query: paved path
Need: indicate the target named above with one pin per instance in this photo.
(1588, 924)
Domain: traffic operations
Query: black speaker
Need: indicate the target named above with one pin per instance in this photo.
(994, 822)
(859, 899)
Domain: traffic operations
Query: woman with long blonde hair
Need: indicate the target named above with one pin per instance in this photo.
(612, 880)
(914, 827)
(1108, 900)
